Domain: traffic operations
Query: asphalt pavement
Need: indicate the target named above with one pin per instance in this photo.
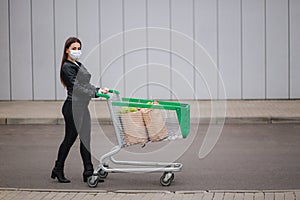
(246, 157)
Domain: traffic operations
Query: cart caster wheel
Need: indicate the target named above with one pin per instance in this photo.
(93, 181)
(102, 173)
(170, 173)
(166, 179)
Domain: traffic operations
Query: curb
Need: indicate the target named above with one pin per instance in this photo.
(88, 191)
(47, 121)
(202, 121)
(150, 191)
(53, 190)
(254, 191)
(142, 191)
(282, 120)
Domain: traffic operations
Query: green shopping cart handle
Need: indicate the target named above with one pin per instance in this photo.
(107, 96)
(114, 91)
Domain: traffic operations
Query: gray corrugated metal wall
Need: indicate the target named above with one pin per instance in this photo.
(255, 44)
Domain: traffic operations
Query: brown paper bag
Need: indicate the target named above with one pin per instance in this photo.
(134, 128)
(155, 124)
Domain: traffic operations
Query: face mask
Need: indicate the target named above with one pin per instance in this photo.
(75, 54)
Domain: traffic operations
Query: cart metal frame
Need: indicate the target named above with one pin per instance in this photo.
(168, 168)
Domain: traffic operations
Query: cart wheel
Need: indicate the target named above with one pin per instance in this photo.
(93, 181)
(172, 175)
(102, 173)
(166, 179)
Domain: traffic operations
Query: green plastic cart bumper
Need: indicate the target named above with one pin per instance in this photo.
(114, 91)
(182, 110)
(106, 96)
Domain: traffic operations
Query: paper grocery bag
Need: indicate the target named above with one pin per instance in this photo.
(134, 128)
(155, 124)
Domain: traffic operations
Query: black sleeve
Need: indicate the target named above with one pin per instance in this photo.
(68, 75)
(84, 89)
(80, 89)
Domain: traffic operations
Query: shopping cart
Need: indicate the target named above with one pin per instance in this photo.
(140, 121)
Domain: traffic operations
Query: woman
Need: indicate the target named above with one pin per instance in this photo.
(76, 79)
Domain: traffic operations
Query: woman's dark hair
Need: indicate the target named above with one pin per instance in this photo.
(68, 43)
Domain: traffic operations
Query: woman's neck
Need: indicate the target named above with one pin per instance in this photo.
(71, 60)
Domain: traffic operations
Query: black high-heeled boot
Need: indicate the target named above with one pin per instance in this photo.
(85, 175)
(58, 172)
(88, 171)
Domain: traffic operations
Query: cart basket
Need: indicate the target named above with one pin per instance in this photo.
(182, 110)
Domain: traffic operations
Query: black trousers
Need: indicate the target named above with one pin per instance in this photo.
(77, 122)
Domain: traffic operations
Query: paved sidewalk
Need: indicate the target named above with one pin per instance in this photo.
(6, 194)
(233, 111)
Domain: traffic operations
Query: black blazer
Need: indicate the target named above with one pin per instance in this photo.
(77, 80)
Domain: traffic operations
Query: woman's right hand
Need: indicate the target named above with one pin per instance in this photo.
(103, 90)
